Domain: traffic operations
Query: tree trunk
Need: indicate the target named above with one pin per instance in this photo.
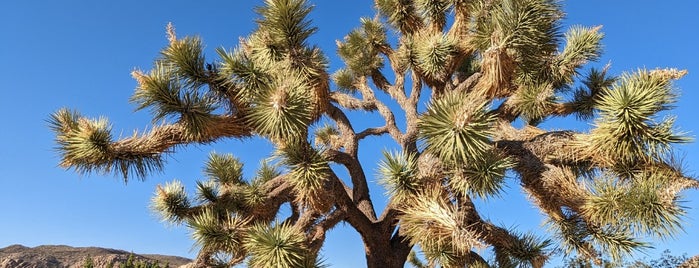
(386, 259)
(387, 254)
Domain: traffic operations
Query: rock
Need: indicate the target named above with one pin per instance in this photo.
(692, 262)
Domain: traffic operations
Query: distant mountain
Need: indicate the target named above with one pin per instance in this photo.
(18, 256)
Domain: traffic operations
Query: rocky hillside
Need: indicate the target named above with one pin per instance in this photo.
(691, 263)
(17, 256)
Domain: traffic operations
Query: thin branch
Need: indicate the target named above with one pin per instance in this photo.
(317, 233)
(384, 110)
(409, 141)
(349, 102)
(380, 81)
(308, 217)
(295, 213)
(360, 187)
(347, 133)
(355, 217)
(469, 82)
(160, 139)
(373, 131)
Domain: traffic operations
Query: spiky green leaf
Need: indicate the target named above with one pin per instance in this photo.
(399, 174)
(586, 98)
(345, 80)
(186, 58)
(456, 128)
(359, 49)
(525, 250)
(308, 173)
(207, 191)
(401, 14)
(534, 102)
(583, 44)
(283, 110)
(645, 205)
(286, 22)
(86, 145)
(433, 52)
(483, 177)
(161, 90)
(171, 202)
(626, 129)
(529, 28)
(435, 11)
(225, 169)
(279, 245)
(218, 232)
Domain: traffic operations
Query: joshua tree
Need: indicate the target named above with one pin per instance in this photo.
(461, 85)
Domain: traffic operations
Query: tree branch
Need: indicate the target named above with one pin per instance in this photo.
(551, 186)
(316, 236)
(372, 131)
(384, 110)
(355, 217)
(345, 126)
(360, 187)
(351, 102)
(162, 138)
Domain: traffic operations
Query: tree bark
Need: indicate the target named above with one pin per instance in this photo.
(381, 253)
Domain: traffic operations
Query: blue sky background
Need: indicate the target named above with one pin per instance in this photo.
(79, 54)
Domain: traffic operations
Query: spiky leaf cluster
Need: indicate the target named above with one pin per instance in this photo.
(435, 11)
(308, 174)
(207, 191)
(535, 101)
(589, 239)
(445, 256)
(524, 250)
(186, 58)
(279, 245)
(456, 128)
(327, 136)
(282, 110)
(583, 44)
(87, 146)
(483, 177)
(437, 225)
(627, 131)
(225, 169)
(171, 202)
(345, 80)
(285, 22)
(162, 91)
(586, 98)
(400, 175)
(642, 204)
(401, 14)
(360, 51)
(527, 29)
(432, 53)
(244, 74)
(215, 232)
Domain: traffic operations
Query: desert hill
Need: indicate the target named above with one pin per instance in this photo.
(18, 256)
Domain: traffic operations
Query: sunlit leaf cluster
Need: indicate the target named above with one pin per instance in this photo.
(456, 128)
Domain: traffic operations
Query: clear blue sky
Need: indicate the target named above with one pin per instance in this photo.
(79, 54)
